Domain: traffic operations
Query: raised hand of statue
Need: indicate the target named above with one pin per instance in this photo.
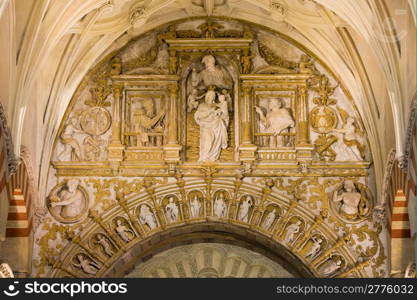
(259, 111)
(54, 200)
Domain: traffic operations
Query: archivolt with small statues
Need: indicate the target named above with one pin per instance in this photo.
(211, 122)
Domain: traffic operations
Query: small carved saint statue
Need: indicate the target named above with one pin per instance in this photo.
(171, 210)
(315, 247)
(123, 231)
(105, 244)
(146, 217)
(220, 209)
(292, 230)
(270, 218)
(331, 266)
(195, 207)
(86, 264)
(244, 209)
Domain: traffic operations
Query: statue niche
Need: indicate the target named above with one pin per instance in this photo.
(147, 122)
(209, 90)
(275, 126)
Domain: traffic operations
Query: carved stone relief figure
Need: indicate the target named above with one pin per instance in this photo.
(244, 209)
(352, 139)
(213, 120)
(350, 203)
(291, 231)
(246, 61)
(220, 207)
(195, 207)
(71, 146)
(123, 231)
(86, 264)
(102, 241)
(274, 122)
(162, 59)
(171, 210)
(211, 75)
(270, 218)
(331, 266)
(212, 115)
(147, 126)
(313, 246)
(68, 202)
(146, 217)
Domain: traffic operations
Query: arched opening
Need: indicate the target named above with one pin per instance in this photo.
(227, 234)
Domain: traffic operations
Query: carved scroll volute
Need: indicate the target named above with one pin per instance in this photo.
(116, 147)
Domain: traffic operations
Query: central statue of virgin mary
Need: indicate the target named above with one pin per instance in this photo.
(212, 116)
(213, 120)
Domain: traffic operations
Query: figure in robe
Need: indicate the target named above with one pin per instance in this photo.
(270, 218)
(67, 139)
(211, 75)
(213, 122)
(171, 210)
(195, 207)
(277, 120)
(244, 209)
(220, 208)
(292, 230)
(147, 217)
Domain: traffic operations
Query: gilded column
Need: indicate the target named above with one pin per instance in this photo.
(116, 147)
(303, 146)
(172, 148)
(247, 149)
